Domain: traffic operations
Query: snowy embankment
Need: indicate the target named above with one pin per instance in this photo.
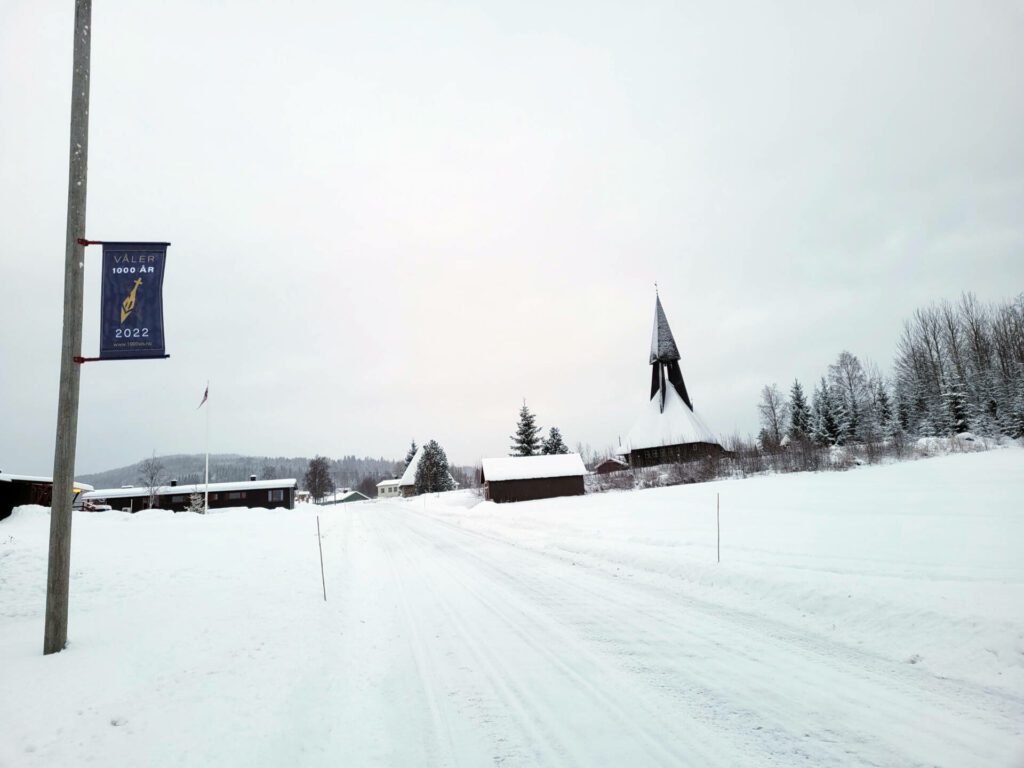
(873, 617)
(920, 561)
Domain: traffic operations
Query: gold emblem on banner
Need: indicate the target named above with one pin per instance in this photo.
(129, 303)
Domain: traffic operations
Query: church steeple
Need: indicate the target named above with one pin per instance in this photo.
(665, 359)
(663, 345)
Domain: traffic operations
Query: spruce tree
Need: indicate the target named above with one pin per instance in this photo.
(883, 405)
(526, 440)
(433, 474)
(956, 406)
(411, 454)
(826, 429)
(554, 443)
(799, 413)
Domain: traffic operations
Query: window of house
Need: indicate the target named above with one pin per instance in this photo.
(277, 495)
(235, 495)
(177, 499)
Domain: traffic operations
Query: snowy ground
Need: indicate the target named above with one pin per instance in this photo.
(873, 617)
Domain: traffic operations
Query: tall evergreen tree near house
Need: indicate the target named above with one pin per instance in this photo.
(799, 413)
(432, 473)
(318, 480)
(411, 454)
(526, 440)
(554, 443)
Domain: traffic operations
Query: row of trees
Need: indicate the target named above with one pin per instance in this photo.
(958, 368)
(527, 440)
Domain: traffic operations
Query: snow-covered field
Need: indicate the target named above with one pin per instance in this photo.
(872, 617)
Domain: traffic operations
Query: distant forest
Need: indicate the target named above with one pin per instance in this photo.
(348, 471)
(958, 368)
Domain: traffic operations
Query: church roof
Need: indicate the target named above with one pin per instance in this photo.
(663, 344)
(675, 425)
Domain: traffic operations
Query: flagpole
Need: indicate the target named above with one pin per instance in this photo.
(206, 495)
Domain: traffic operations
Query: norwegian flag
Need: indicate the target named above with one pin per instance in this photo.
(206, 394)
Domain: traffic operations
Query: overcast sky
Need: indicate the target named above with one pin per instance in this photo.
(396, 220)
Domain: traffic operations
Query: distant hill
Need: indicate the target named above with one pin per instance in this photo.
(348, 471)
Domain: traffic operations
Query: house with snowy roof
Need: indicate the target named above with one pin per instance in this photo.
(406, 484)
(524, 478)
(668, 429)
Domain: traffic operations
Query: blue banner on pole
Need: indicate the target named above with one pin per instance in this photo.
(132, 306)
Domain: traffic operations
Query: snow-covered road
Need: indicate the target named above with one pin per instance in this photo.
(864, 618)
(510, 656)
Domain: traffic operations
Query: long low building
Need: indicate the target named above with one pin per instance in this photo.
(266, 494)
(16, 490)
(524, 478)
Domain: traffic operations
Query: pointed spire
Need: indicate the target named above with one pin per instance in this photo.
(663, 345)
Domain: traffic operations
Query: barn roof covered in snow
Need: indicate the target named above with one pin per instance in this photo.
(663, 344)
(533, 467)
(676, 424)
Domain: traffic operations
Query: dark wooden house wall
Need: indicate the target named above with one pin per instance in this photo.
(179, 502)
(673, 454)
(17, 492)
(539, 488)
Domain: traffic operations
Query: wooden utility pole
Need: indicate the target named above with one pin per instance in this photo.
(56, 633)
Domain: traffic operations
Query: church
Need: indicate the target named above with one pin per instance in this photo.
(668, 430)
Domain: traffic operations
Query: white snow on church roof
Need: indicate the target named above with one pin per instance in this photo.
(533, 467)
(678, 424)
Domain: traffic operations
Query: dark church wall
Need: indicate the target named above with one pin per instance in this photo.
(674, 454)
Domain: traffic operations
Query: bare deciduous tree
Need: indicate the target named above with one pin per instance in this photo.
(774, 415)
(152, 475)
(318, 478)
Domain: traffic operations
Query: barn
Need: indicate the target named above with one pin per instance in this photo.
(264, 494)
(524, 478)
(611, 464)
(16, 490)
(669, 429)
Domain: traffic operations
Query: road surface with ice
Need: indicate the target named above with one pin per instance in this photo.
(586, 632)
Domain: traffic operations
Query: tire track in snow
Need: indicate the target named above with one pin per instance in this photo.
(425, 665)
(877, 690)
(640, 722)
(541, 740)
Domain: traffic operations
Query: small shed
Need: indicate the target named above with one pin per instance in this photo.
(16, 490)
(611, 464)
(524, 478)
